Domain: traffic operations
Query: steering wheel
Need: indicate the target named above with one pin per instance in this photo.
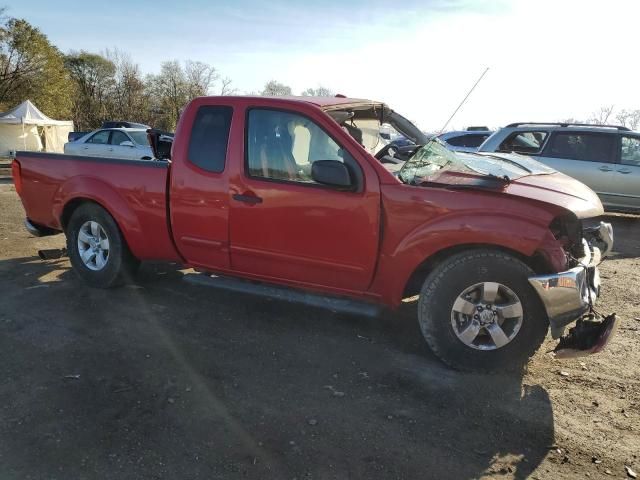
(388, 154)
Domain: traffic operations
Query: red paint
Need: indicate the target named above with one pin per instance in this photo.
(17, 177)
(362, 244)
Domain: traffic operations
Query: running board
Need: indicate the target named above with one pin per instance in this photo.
(334, 304)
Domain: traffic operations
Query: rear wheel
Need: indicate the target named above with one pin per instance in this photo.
(477, 311)
(96, 248)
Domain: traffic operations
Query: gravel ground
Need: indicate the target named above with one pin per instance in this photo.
(165, 379)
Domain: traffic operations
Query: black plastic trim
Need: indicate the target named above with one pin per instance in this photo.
(122, 161)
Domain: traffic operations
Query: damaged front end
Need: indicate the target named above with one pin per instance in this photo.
(569, 296)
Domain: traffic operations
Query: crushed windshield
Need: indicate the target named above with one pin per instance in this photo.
(432, 160)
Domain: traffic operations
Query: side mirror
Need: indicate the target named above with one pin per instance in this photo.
(127, 143)
(331, 172)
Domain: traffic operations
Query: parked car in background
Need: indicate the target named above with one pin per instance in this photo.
(465, 140)
(400, 141)
(604, 157)
(125, 143)
(73, 136)
(123, 124)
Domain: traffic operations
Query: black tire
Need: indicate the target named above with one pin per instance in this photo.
(461, 271)
(120, 265)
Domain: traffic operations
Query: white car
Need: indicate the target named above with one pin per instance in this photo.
(127, 143)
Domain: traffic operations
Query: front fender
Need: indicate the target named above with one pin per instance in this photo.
(107, 197)
(506, 231)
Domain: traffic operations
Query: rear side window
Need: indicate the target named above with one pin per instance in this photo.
(101, 137)
(118, 137)
(524, 142)
(630, 154)
(589, 147)
(209, 137)
(470, 141)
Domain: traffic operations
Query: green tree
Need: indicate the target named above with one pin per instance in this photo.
(94, 80)
(32, 68)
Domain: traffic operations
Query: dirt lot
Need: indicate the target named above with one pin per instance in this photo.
(165, 379)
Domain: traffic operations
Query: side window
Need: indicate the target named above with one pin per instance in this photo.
(283, 146)
(118, 137)
(589, 147)
(524, 142)
(630, 154)
(209, 137)
(102, 137)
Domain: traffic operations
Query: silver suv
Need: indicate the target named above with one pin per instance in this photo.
(605, 158)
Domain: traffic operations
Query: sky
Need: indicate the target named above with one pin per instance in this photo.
(548, 60)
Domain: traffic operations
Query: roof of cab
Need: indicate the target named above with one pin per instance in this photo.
(326, 103)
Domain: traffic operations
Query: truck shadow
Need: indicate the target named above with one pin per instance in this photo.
(170, 379)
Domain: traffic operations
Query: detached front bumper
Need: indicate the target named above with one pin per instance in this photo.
(568, 296)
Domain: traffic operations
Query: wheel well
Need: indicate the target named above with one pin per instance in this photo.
(74, 204)
(538, 263)
(71, 207)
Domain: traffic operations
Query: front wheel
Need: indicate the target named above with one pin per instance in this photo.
(477, 311)
(96, 248)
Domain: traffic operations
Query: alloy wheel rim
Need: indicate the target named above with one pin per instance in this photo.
(93, 245)
(486, 316)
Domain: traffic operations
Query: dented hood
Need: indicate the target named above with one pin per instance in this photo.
(511, 174)
(558, 189)
(552, 188)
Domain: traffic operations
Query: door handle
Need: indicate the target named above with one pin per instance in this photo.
(604, 168)
(250, 199)
(624, 170)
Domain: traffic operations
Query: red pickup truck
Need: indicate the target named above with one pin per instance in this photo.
(298, 192)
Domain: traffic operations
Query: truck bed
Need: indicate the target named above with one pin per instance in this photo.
(133, 191)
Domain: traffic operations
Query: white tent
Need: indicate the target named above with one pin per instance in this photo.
(27, 128)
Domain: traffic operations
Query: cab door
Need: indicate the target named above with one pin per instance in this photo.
(586, 156)
(199, 189)
(288, 227)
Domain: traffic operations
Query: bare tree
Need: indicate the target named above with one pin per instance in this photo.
(273, 88)
(171, 89)
(226, 88)
(199, 78)
(318, 92)
(634, 120)
(628, 118)
(167, 93)
(128, 99)
(601, 117)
